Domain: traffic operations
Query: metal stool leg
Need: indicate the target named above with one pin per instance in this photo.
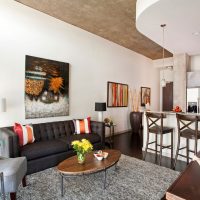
(195, 150)
(161, 145)
(187, 150)
(147, 143)
(172, 149)
(177, 151)
(156, 147)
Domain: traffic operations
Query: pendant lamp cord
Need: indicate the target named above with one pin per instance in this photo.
(163, 44)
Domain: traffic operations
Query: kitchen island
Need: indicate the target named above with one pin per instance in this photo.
(169, 121)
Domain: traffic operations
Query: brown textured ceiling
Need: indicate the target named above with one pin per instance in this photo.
(111, 19)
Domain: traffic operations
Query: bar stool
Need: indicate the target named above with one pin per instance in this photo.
(155, 126)
(188, 129)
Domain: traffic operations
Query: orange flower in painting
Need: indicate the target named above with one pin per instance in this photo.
(55, 84)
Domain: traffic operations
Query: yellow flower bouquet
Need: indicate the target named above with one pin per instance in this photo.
(82, 148)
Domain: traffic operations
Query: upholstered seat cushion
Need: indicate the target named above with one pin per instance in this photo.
(93, 138)
(14, 169)
(157, 129)
(44, 148)
(189, 133)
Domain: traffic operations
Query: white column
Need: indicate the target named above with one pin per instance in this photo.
(181, 64)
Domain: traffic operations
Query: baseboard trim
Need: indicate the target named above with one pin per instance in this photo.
(120, 132)
(166, 154)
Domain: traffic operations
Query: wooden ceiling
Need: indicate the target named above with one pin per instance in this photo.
(113, 20)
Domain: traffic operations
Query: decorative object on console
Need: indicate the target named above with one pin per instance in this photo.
(145, 96)
(101, 107)
(135, 115)
(82, 126)
(117, 95)
(46, 88)
(177, 109)
(134, 100)
(108, 121)
(82, 148)
(3, 104)
(25, 134)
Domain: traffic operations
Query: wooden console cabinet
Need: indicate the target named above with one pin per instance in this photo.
(187, 185)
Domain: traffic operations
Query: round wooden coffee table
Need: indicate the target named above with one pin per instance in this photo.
(71, 167)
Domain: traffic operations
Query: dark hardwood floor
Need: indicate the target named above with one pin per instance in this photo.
(131, 145)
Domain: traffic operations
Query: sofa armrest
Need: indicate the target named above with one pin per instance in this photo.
(9, 142)
(99, 128)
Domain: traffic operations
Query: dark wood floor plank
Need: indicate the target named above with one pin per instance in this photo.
(131, 145)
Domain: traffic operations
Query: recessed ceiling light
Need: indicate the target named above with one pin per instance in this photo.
(196, 33)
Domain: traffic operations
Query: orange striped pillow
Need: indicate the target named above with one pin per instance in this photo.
(82, 126)
(25, 134)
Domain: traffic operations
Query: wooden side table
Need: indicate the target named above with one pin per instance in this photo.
(110, 140)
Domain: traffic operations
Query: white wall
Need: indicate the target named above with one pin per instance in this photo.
(169, 77)
(93, 61)
(168, 62)
(195, 63)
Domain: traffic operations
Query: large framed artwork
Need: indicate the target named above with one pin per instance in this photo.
(46, 88)
(145, 96)
(117, 94)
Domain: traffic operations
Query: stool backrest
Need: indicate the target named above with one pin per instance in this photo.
(155, 119)
(189, 122)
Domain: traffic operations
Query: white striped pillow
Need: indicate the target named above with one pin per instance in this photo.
(25, 134)
(82, 126)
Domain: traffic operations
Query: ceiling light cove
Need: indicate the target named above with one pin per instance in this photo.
(181, 17)
(197, 33)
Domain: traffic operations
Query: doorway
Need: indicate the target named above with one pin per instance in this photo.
(167, 97)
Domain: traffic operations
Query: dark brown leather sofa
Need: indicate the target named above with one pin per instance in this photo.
(52, 143)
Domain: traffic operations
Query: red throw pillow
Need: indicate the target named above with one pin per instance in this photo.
(25, 134)
(82, 126)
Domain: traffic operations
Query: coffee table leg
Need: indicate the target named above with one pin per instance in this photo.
(115, 166)
(62, 188)
(104, 179)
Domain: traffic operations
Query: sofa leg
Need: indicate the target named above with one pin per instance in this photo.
(24, 181)
(13, 195)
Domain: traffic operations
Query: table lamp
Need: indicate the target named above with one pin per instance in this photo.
(100, 107)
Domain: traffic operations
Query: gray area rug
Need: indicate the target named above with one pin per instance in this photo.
(133, 179)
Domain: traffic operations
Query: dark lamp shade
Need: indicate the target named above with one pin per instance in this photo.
(100, 106)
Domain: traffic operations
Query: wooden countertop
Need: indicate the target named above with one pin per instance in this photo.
(173, 113)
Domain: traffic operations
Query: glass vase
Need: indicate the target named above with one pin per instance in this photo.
(81, 158)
